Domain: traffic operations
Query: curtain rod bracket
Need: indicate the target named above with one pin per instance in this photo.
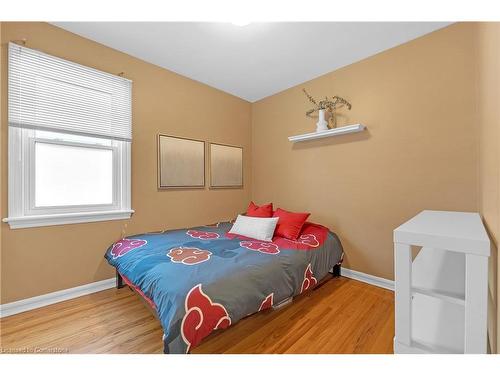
(21, 42)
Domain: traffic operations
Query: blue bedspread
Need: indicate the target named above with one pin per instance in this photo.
(202, 279)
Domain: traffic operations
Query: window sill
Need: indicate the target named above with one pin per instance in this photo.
(72, 218)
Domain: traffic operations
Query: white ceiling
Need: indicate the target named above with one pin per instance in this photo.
(256, 60)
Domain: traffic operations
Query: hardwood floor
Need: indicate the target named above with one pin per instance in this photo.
(340, 316)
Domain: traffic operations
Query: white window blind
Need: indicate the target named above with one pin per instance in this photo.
(49, 93)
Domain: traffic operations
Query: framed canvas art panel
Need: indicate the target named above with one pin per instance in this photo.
(226, 166)
(181, 163)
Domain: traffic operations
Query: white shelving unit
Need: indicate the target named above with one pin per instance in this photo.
(327, 133)
(442, 295)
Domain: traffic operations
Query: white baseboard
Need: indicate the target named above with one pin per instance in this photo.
(366, 278)
(27, 304)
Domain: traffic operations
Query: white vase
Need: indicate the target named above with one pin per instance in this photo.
(322, 124)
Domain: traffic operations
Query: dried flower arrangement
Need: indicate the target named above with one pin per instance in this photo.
(328, 105)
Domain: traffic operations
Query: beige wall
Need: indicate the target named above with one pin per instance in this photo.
(488, 63)
(46, 259)
(433, 141)
(420, 149)
(1, 134)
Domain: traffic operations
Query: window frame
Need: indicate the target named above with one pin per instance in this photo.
(21, 195)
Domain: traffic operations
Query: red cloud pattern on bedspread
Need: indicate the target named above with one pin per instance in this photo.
(188, 255)
(202, 235)
(267, 303)
(309, 240)
(122, 247)
(309, 280)
(263, 247)
(202, 317)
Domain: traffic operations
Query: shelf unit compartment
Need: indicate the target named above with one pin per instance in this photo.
(440, 274)
(437, 325)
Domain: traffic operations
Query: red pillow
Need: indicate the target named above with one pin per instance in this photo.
(265, 210)
(289, 223)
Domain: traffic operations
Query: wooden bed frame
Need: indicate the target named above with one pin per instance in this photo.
(336, 268)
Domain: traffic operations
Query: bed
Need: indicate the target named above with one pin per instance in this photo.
(201, 279)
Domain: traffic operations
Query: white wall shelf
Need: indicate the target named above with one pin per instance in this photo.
(328, 133)
(441, 295)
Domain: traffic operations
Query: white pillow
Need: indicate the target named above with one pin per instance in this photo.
(260, 228)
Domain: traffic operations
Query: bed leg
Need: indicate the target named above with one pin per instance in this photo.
(119, 281)
(336, 270)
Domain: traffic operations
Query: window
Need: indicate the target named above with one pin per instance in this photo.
(69, 142)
